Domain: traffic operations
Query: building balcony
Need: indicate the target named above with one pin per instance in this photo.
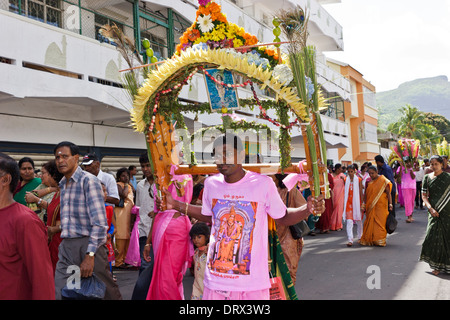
(324, 31)
(51, 63)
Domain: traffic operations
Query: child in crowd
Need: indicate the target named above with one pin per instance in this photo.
(200, 237)
(353, 204)
(110, 234)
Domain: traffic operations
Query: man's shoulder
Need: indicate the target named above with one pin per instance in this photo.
(213, 178)
(87, 180)
(106, 177)
(87, 176)
(141, 182)
(23, 214)
(250, 177)
(258, 177)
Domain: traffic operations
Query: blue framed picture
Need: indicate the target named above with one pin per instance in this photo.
(219, 95)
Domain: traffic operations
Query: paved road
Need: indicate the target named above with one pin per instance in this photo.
(329, 270)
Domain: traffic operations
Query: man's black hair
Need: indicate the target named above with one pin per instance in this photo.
(72, 146)
(228, 139)
(379, 158)
(143, 158)
(9, 166)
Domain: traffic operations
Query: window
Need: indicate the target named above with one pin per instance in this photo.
(368, 132)
(47, 11)
(100, 21)
(335, 103)
(369, 97)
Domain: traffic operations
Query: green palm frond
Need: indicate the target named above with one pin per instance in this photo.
(131, 84)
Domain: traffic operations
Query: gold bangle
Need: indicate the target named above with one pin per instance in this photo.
(187, 206)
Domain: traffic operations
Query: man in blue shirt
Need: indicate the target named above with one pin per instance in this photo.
(83, 225)
(386, 171)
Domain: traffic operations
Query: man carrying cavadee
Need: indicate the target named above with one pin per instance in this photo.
(248, 197)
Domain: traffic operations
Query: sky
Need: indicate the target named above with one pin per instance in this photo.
(394, 41)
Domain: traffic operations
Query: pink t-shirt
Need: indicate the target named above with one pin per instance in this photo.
(238, 254)
(407, 181)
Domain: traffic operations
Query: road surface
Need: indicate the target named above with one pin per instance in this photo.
(329, 270)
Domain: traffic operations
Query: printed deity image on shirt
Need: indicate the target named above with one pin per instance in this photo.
(234, 224)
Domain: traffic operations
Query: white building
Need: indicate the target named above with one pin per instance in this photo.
(59, 81)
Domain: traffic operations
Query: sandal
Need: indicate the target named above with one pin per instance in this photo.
(349, 244)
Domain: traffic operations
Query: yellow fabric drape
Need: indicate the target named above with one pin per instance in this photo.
(374, 231)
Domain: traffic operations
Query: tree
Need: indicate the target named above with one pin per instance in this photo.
(441, 123)
(413, 124)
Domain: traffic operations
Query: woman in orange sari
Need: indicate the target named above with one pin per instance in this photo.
(378, 201)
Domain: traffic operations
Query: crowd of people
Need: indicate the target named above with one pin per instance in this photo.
(75, 222)
(365, 198)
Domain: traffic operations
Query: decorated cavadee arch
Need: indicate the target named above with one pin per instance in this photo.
(213, 42)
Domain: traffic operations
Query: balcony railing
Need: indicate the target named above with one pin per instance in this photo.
(163, 27)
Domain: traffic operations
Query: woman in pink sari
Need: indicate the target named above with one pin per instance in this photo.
(133, 257)
(172, 246)
(408, 189)
(338, 198)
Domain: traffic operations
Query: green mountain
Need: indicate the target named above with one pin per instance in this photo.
(427, 95)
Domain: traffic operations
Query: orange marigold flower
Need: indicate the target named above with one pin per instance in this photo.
(270, 52)
(250, 39)
(218, 17)
(184, 38)
(193, 35)
(213, 7)
(203, 10)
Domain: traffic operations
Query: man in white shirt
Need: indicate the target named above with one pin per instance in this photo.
(420, 173)
(145, 201)
(91, 164)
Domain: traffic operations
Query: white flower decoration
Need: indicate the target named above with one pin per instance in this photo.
(205, 23)
(284, 73)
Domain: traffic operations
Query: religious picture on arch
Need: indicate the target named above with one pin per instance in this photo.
(230, 253)
(222, 93)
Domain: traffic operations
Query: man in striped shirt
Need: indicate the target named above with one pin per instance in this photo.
(83, 225)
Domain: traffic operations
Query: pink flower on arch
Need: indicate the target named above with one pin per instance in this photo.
(203, 2)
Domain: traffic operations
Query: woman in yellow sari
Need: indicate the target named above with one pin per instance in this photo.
(378, 202)
(124, 223)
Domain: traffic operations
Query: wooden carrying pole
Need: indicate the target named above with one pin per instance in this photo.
(264, 168)
(162, 152)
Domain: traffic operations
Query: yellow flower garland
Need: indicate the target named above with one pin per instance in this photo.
(222, 59)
